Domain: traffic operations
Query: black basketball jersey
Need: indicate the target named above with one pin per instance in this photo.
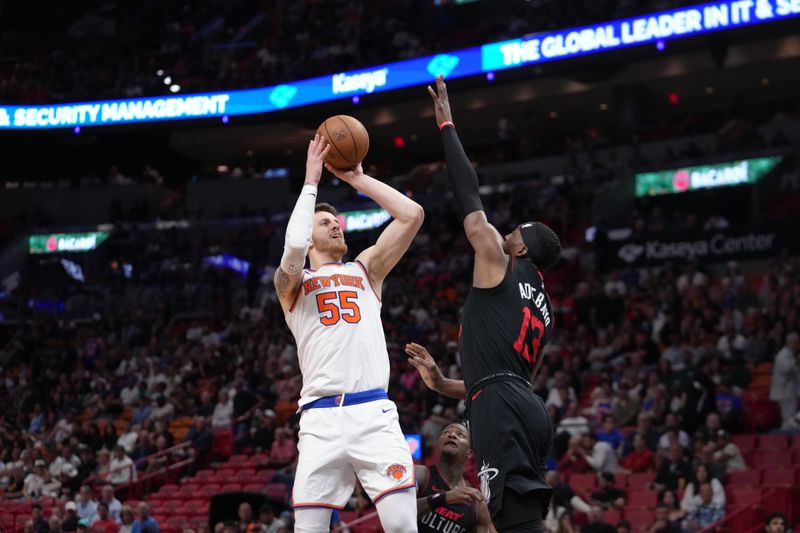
(446, 518)
(505, 328)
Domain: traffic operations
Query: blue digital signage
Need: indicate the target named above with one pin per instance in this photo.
(537, 48)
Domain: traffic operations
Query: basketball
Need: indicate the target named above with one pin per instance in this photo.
(349, 141)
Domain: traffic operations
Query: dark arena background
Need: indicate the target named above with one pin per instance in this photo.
(151, 153)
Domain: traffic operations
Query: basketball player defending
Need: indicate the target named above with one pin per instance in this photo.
(446, 502)
(507, 319)
(348, 426)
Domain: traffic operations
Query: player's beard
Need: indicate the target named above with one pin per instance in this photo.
(335, 248)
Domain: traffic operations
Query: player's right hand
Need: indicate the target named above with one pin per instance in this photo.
(317, 150)
(441, 103)
(466, 495)
(421, 359)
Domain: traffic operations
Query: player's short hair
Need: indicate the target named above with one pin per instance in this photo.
(328, 208)
(544, 247)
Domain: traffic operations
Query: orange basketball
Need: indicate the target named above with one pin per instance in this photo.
(349, 141)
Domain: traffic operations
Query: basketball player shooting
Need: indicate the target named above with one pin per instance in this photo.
(348, 426)
(506, 320)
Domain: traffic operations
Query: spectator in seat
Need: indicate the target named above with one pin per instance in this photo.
(599, 455)
(573, 422)
(623, 407)
(609, 495)
(662, 523)
(573, 460)
(668, 498)
(202, 441)
(52, 486)
(87, 507)
(623, 526)
(706, 513)
(126, 519)
(128, 439)
(564, 498)
(595, 522)
(114, 505)
(70, 523)
(34, 482)
(729, 406)
(121, 468)
(728, 453)
(65, 457)
(775, 523)
(691, 497)
(245, 523)
(644, 427)
(641, 459)
(145, 523)
(610, 433)
(223, 411)
(673, 469)
(672, 432)
(103, 523)
(786, 379)
(264, 435)
(38, 523)
(283, 451)
(269, 523)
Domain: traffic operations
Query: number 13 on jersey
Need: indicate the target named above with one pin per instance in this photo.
(336, 306)
(530, 336)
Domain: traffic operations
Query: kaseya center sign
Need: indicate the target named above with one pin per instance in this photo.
(728, 174)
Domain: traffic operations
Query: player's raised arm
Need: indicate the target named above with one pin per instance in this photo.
(393, 242)
(490, 259)
(298, 232)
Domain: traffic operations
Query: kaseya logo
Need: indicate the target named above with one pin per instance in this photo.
(396, 471)
(681, 181)
(630, 252)
(442, 64)
(282, 95)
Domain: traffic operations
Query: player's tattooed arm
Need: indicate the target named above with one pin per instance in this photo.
(286, 286)
(421, 359)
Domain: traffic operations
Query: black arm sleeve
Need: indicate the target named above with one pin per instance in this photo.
(463, 179)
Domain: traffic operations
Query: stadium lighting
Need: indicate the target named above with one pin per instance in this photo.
(660, 45)
(76, 130)
(356, 99)
(174, 88)
(160, 72)
(490, 76)
(167, 80)
(604, 107)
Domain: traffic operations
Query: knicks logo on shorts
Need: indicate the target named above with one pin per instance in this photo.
(396, 471)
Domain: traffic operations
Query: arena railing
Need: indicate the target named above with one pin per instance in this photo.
(727, 521)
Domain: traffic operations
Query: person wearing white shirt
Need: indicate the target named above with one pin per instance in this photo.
(34, 482)
(223, 411)
(87, 507)
(114, 505)
(728, 453)
(129, 393)
(573, 422)
(121, 470)
(128, 439)
(599, 455)
(786, 379)
(691, 495)
(66, 457)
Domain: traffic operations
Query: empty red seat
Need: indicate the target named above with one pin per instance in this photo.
(204, 474)
(231, 487)
(745, 443)
(225, 472)
(258, 459)
(211, 489)
(266, 474)
(171, 505)
(744, 495)
(244, 472)
(583, 481)
(188, 489)
(642, 498)
(176, 522)
(751, 478)
(773, 442)
(621, 481)
(771, 459)
(639, 518)
(253, 487)
(276, 491)
(6, 522)
(194, 507)
(779, 476)
(254, 478)
(238, 459)
(640, 480)
(168, 489)
(796, 455)
(612, 516)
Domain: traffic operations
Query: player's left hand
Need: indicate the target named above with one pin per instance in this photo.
(348, 176)
(441, 103)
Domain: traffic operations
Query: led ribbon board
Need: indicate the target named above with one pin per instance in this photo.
(704, 176)
(362, 220)
(66, 242)
(537, 48)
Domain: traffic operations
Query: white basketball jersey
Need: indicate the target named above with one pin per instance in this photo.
(336, 322)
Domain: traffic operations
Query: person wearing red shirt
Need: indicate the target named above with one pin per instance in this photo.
(283, 451)
(641, 459)
(103, 523)
(573, 462)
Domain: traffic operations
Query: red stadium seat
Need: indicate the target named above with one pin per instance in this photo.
(770, 459)
(639, 518)
(231, 487)
(258, 459)
(772, 442)
(204, 474)
(750, 478)
(641, 480)
(745, 443)
(6, 522)
(779, 477)
(253, 487)
(176, 522)
(583, 481)
(621, 480)
(197, 522)
(244, 472)
(744, 495)
(168, 489)
(211, 489)
(276, 491)
(642, 498)
(612, 516)
(266, 474)
(225, 472)
(171, 505)
(796, 456)
(195, 507)
(188, 489)
(238, 460)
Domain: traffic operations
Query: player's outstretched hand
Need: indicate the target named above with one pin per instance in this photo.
(466, 495)
(317, 150)
(441, 104)
(346, 175)
(421, 359)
